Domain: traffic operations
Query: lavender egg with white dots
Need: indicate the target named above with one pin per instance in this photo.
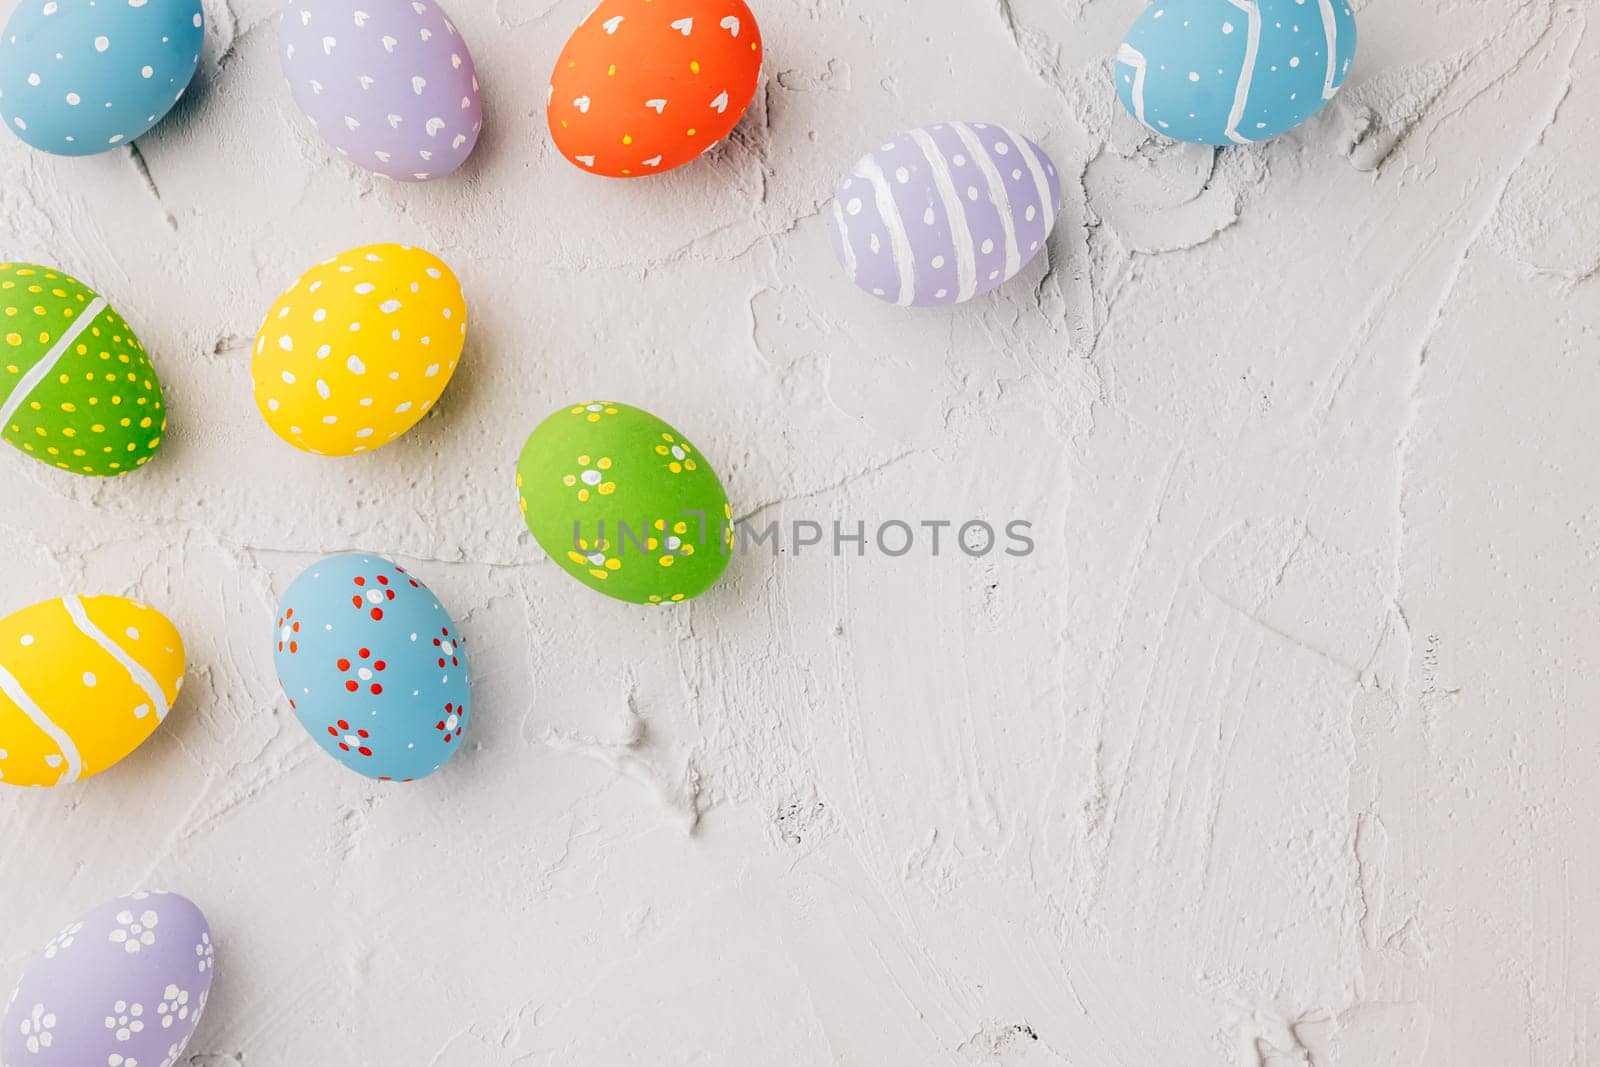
(944, 213)
(79, 77)
(389, 84)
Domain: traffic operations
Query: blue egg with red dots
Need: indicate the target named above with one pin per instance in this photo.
(373, 667)
(79, 77)
(1224, 72)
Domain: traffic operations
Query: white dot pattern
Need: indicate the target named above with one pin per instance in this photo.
(82, 78)
(391, 86)
(329, 387)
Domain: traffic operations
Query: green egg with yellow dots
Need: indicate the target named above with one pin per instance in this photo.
(625, 503)
(77, 390)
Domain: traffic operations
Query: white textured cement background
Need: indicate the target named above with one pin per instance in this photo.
(1279, 751)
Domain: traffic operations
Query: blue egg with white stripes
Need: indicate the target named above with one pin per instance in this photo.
(79, 77)
(1222, 72)
(944, 213)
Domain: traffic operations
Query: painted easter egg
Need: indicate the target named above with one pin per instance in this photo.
(642, 87)
(83, 682)
(389, 84)
(359, 349)
(373, 666)
(123, 984)
(77, 390)
(78, 77)
(625, 504)
(1221, 72)
(945, 213)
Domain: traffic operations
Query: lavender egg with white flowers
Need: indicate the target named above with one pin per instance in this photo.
(944, 213)
(124, 984)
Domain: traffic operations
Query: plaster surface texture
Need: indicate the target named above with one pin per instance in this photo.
(1278, 751)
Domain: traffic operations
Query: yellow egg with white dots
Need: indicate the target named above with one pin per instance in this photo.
(359, 349)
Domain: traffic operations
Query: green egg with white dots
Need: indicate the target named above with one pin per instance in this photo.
(625, 503)
(77, 390)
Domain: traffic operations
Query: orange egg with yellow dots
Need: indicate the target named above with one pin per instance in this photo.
(644, 86)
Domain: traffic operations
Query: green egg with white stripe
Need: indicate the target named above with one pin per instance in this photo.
(77, 390)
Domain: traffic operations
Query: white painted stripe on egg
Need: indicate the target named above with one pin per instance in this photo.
(1331, 30)
(69, 752)
(1032, 156)
(1247, 70)
(960, 232)
(844, 239)
(141, 677)
(1135, 59)
(37, 373)
(898, 239)
(997, 190)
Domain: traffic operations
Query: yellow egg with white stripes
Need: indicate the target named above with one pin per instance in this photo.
(83, 682)
(359, 349)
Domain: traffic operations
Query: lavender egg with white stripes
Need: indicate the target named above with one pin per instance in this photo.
(1223, 72)
(944, 213)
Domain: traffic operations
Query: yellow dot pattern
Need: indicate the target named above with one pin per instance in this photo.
(97, 410)
(641, 88)
(359, 349)
(652, 521)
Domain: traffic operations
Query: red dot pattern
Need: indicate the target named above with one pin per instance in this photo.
(286, 622)
(348, 740)
(453, 723)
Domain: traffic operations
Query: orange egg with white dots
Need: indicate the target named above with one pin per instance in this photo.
(359, 349)
(644, 86)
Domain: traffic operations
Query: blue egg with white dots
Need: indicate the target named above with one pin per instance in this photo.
(79, 77)
(373, 667)
(1223, 72)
